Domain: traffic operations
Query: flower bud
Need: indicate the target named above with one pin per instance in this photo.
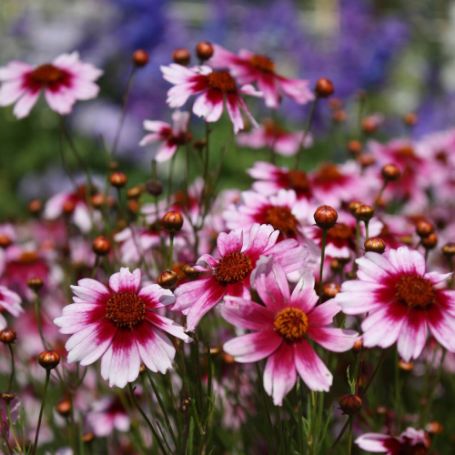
(140, 58)
(133, 206)
(35, 207)
(101, 245)
(325, 216)
(64, 407)
(390, 172)
(154, 187)
(350, 404)
(49, 360)
(98, 200)
(172, 221)
(118, 179)
(424, 228)
(204, 50)
(449, 249)
(7, 336)
(339, 116)
(5, 241)
(358, 345)
(88, 437)
(190, 271)
(410, 119)
(364, 212)
(434, 427)
(68, 207)
(7, 397)
(353, 206)
(181, 56)
(354, 147)
(134, 192)
(375, 244)
(35, 284)
(370, 124)
(405, 366)
(330, 290)
(430, 241)
(324, 88)
(366, 160)
(167, 279)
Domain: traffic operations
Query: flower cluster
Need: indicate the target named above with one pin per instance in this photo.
(182, 312)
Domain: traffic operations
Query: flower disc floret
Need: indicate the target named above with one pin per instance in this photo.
(125, 309)
(263, 63)
(291, 324)
(233, 268)
(281, 218)
(415, 291)
(221, 80)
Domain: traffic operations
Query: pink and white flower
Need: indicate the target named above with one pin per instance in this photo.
(214, 89)
(73, 203)
(250, 67)
(9, 302)
(410, 441)
(271, 135)
(283, 211)
(64, 81)
(119, 323)
(242, 253)
(108, 415)
(403, 301)
(169, 136)
(270, 179)
(282, 329)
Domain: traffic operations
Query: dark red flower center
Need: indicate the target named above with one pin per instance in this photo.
(328, 173)
(233, 268)
(415, 291)
(281, 218)
(291, 324)
(298, 181)
(48, 75)
(340, 231)
(262, 63)
(125, 309)
(273, 129)
(442, 157)
(28, 257)
(222, 81)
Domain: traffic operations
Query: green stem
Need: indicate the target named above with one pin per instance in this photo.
(306, 131)
(124, 110)
(13, 368)
(40, 417)
(321, 267)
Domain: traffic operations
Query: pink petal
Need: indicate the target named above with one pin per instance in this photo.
(253, 346)
(25, 104)
(168, 325)
(280, 374)
(413, 336)
(246, 314)
(311, 368)
(374, 442)
(335, 340)
(125, 281)
(156, 296)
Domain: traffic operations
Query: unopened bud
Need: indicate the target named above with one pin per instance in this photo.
(325, 216)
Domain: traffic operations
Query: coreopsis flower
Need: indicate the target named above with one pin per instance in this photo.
(119, 323)
(271, 135)
(332, 184)
(411, 441)
(72, 204)
(10, 302)
(214, 89)
(270, 179)
(169, 136)
(283, 211)
(241, 254)
(250, 67)
(403, 302)
(282, 329)
(107, 415)
(64, 81)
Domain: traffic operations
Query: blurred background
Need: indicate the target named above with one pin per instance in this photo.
(400, 53)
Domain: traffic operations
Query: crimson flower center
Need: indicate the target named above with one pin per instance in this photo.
(415, 291)
(262, 63)
(281, 218)
(291, 324)
(233, 268)
(28, 257)
(47, 74)
(298, 181)
(125, 309)
(328, 173)
(340, 231)
(221, 80)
